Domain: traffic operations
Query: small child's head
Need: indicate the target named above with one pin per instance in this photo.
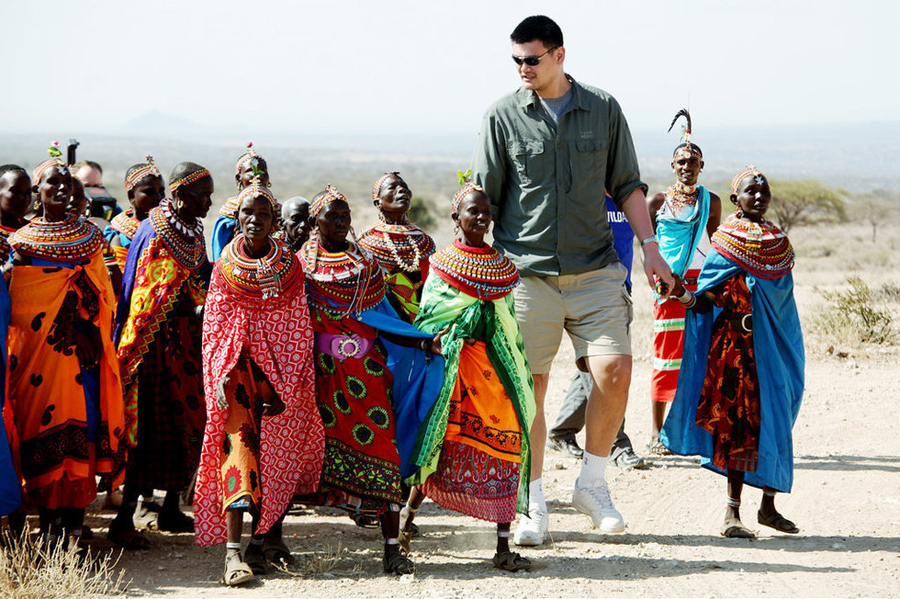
(191, 187)
(750, 193)
(249, 166)
(392, 197)
(145, 187)
(15, 191)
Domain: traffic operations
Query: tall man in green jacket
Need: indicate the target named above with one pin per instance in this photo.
(546, 155)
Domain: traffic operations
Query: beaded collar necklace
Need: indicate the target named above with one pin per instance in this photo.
(479, 272)
(761, 248)
(680, 196)
(260, 278)
(342, 282)
(184, 241)
(70, 241)
(402, 245)
(5, 248)
(125, 223)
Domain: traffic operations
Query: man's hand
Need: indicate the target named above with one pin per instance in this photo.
(655, 266)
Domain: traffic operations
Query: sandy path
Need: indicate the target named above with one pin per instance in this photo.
(846, 499)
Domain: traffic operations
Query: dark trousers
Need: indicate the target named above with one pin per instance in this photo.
(570, 419)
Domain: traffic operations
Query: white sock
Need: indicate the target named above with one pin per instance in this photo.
(536, 493)
(593, 470)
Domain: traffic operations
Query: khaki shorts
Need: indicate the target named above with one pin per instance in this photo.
(593, 307)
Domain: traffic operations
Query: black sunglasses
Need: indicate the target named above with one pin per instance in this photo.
(531, 61)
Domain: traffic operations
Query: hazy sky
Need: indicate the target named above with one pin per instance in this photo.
(417, 67)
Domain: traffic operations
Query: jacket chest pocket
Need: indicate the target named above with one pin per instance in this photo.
(589, 155)
(529, 159)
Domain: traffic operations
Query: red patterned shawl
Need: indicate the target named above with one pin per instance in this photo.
(278, 335)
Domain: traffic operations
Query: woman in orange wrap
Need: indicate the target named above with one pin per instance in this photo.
(64, 387)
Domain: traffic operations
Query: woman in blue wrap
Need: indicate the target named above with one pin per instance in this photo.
(741, 380)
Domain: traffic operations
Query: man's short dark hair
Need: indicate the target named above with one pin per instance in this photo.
(538, 28)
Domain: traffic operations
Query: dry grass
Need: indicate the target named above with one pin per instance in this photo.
(324, 563)
(29, 572)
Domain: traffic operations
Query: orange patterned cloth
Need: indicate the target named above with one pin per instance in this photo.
(46, 391)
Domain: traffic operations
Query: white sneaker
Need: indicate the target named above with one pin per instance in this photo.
(596, 503)
(532, 528)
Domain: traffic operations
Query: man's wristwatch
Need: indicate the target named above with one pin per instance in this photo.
(651, 239)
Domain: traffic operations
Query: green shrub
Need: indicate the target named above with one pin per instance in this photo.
(850, 315)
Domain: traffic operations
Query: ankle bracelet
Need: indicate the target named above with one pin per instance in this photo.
(733, 502)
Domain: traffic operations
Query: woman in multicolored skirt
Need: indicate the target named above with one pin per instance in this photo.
(374, 375)
(472, 451)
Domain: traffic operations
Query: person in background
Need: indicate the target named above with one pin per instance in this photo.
(685, 216)
(248, 167)
(294, 223)
(103, 204)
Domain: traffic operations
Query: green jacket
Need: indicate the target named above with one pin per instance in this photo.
(547, 183)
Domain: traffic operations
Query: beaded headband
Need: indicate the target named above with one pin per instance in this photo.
(250, 154)
(376, 189)
(686, 146)
(52, 162)
(467, 187)
(188, 179)
(256, 190)
(748, 170)
(331, 195)
(146, 170)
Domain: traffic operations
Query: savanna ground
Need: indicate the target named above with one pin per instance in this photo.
(846, 495)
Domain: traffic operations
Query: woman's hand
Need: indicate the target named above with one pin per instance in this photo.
(677, 287)
(221, 398)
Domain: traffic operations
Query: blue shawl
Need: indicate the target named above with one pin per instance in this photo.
(778, 345)
(10, 490)
(222, 233)
(678, 238)
(417, 380)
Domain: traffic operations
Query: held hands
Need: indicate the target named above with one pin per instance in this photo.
(677, 288)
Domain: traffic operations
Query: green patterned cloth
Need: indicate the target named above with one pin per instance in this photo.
(444, 307)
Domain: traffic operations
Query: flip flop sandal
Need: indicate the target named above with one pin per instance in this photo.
(511, 562)
(778, 522)
(128, 539)
(735, 529)
(277, 552)
(236, 571)
(256, 559)
(398, 564)
(656, 447)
